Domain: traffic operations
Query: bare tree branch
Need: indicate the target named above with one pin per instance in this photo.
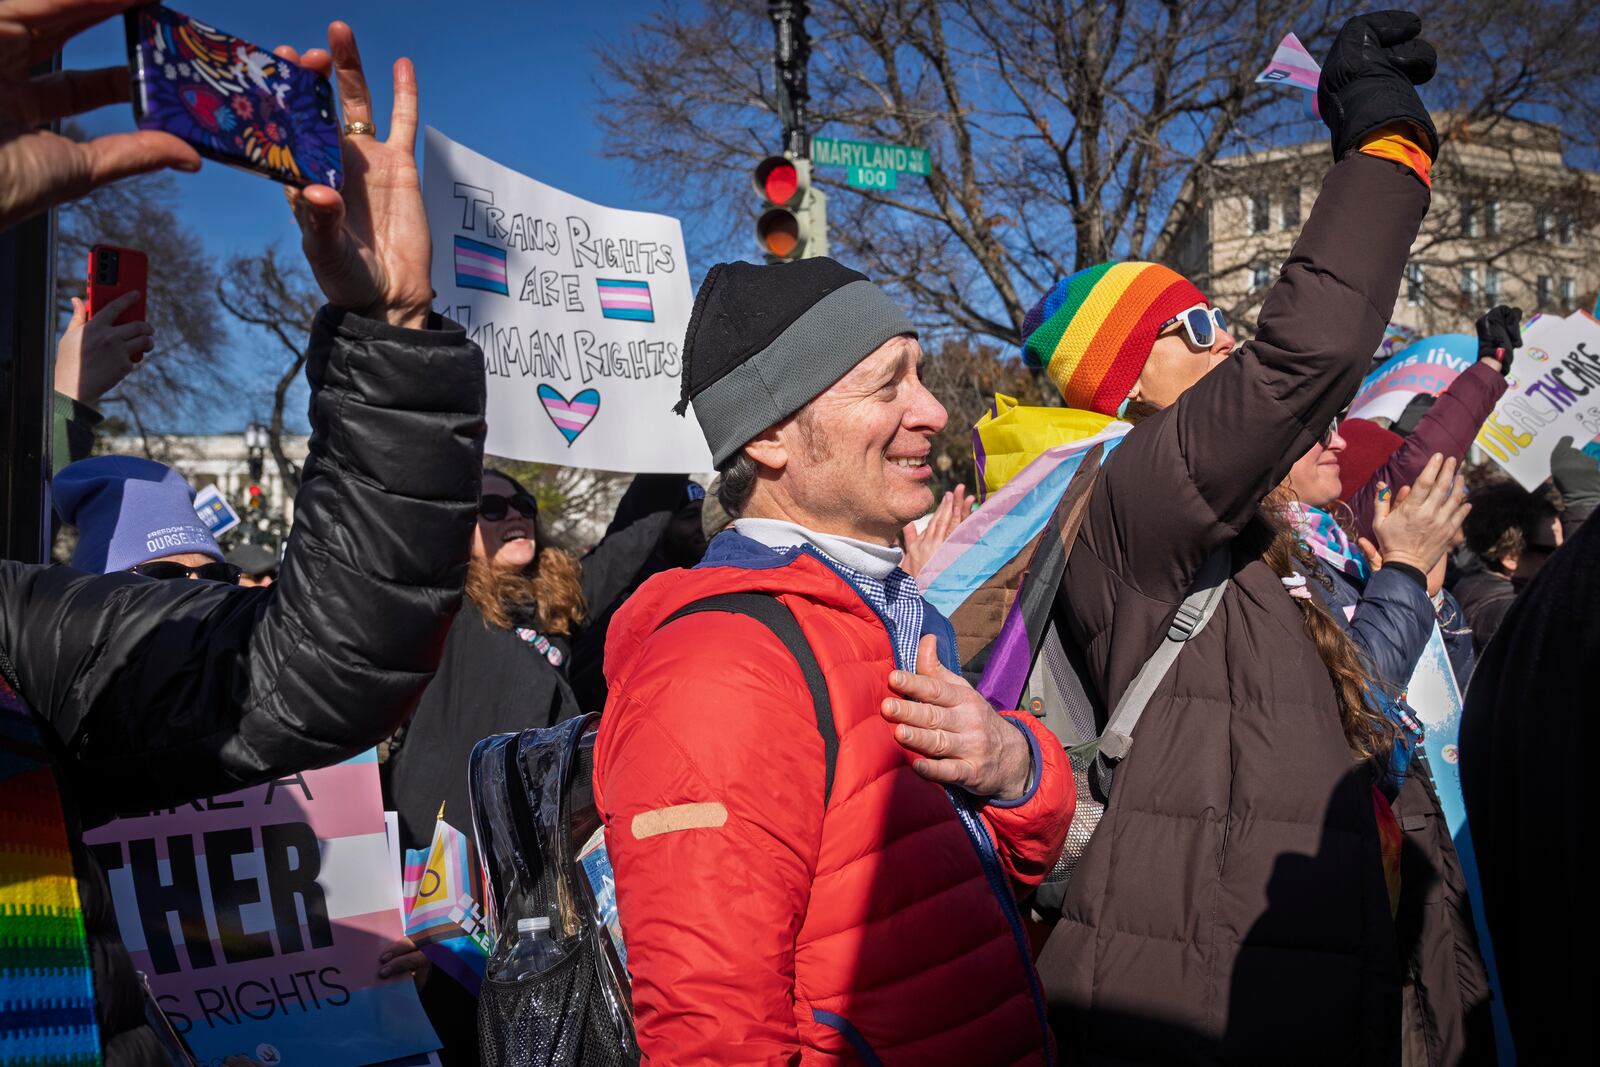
(280, 299)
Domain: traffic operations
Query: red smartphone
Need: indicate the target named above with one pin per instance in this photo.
(114, 271)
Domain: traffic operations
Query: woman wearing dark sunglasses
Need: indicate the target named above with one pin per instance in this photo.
(133, 514)
(506, 667)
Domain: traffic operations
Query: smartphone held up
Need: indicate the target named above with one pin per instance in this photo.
(114, 271)
(234, 101)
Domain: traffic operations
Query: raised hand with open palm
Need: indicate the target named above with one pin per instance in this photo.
(368, 245)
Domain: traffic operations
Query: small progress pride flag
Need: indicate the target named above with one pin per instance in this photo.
(480, 266)
(625, 300)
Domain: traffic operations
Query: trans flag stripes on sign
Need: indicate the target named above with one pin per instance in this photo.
(284, 897)
(1291, 63)
(625, 300)
(480, 266)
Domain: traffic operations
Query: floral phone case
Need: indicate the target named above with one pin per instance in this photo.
(235, 102)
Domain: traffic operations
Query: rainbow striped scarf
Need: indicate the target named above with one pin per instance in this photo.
(47, 1014)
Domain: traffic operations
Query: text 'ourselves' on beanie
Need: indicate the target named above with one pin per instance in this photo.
(128, 511)
(763, 341)
(1092, 333)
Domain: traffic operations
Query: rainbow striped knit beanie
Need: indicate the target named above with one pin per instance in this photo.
(1092, 332)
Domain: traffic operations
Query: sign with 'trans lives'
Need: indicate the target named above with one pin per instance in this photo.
(580, 311)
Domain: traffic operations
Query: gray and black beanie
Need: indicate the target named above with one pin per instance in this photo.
(764, 340)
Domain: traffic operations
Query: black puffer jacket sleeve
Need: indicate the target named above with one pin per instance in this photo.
(164, 691)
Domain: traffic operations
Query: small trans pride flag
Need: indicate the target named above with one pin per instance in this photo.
(480, 266)
(443, 914)
(1292, 65)
(625, 300)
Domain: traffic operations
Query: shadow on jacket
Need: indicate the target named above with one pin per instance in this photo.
(149, 693)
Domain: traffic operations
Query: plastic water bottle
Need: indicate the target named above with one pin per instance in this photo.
(533, 952)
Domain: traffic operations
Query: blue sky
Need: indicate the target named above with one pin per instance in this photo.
(513, 80)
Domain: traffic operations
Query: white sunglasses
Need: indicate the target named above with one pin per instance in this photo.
(1202, 323)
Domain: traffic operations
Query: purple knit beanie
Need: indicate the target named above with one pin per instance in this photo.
(128, 511)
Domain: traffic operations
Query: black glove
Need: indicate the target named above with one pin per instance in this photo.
(1499, 334)
(1369, 77)
(1576, 474)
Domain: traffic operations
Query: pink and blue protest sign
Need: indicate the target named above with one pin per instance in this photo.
(259, 917)
(1425, 366)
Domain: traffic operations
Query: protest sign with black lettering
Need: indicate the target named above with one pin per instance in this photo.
(259, 917)
(580, 311)
(1554, 392)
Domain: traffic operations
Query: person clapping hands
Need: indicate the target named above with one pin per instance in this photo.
(1418, 529)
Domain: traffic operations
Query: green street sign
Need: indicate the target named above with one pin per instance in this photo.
(869, 155)
(869, 178)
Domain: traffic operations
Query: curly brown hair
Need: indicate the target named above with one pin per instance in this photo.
(1369, 733)
(551, 586)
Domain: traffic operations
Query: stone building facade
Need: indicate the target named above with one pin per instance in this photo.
(1511, 222)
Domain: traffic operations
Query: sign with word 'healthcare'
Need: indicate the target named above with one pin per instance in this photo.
(1425, 366)
(580, 311)
(259, 918)
(1553, 392)
(869, 164)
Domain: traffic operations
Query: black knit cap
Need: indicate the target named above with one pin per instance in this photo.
(764, 340)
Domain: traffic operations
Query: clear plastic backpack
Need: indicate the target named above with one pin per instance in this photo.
(555, 991)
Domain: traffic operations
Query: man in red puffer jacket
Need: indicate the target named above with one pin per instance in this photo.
(770, 915)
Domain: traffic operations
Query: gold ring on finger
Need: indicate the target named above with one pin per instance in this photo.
(360, 129)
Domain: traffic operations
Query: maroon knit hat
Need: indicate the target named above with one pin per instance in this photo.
(1367, 446)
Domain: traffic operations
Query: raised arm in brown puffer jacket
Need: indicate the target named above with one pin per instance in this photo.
(1232, 904)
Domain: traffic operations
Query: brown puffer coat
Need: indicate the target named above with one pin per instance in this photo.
(1232, 905)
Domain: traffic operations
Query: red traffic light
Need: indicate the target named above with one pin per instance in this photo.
(779, 181)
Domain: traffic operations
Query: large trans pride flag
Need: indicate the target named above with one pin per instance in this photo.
(996, 576)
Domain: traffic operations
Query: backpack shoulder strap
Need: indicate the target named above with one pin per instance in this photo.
(772, 613)
(1193, 614)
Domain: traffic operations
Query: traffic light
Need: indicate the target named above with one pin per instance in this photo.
(794, 217)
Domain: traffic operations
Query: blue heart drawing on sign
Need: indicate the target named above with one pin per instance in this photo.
(573, 416)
